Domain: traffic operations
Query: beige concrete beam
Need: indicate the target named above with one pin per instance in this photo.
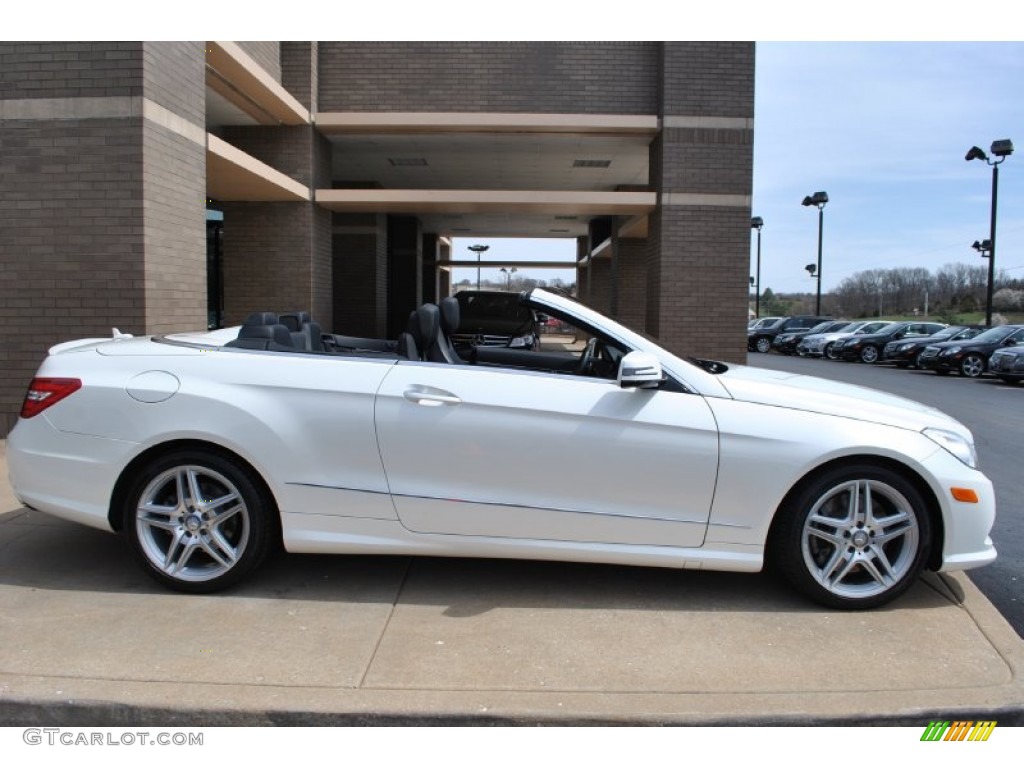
(485, 122)
(414, 201)
(236, 76)
(233, 175)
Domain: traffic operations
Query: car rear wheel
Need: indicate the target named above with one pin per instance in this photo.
(853, 537)
(198, 521)
(764, 344)
(972, 366)
(830, 353)
(869, 354)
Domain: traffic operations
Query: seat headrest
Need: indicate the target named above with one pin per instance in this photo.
(294, 321)
(426, 325)
(449, 315)
(277, 333)
(261, 318)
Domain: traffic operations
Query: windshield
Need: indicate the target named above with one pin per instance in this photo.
(873, 327)
(994, 334)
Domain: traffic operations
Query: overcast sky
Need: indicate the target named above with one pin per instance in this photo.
(883, 129)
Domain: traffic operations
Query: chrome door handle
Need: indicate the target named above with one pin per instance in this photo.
(421, 397)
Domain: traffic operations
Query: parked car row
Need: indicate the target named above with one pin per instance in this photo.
(969, 350)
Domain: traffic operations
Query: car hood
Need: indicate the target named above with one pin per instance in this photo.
(809, 393)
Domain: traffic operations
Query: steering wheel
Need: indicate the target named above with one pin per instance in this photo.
(586, 363)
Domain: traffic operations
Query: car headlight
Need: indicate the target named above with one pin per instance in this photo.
(905, 347)
(522, 341)
(950, 351)
(956, 444)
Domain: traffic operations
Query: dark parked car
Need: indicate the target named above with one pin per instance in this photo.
(867, 348)
(1008, 363)
(760, 339)
(970, 358)
(904, 352)
(495, 319)
(786, 343)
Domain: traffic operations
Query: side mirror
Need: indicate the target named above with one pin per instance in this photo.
(641, 370)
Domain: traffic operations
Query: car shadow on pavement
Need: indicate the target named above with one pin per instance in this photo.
(43, 553)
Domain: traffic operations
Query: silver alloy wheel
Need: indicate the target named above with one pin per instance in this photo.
(860, 539)
(972, 366)
(869, 354)
(192, 523)
(830, 352)
(764, 345)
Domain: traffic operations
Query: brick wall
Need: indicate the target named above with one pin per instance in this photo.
(299, 151)
(71, 253)
(174, 199)
(299, 75)
(708, 78)
(599, 285)
(174, 190)
(267, 262)
(632, 260)
(266, 53)
(50, 70)
(546, 77)
(175, 78)
(697, 280)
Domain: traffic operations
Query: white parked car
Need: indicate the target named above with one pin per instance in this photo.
(207, 450)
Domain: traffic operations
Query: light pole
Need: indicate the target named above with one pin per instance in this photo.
(818, 200)
(478, 249)
(1001, 149)
(756, 223)
(508, 277)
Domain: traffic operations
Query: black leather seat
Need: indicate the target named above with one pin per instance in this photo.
(421, 334)
(442, 350)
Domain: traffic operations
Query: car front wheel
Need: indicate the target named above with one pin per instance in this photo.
(764, 345)
(198, 521)
(972, 366)
(853, 537)
(869, 355)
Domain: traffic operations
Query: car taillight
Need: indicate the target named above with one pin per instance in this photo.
(42, 393)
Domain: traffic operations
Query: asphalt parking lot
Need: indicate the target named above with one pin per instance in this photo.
(994, 412)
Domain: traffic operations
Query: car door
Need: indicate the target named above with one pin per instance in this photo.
(509, 453)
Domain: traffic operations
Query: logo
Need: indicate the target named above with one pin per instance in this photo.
(959, 730)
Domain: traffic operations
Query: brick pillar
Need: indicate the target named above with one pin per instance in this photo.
(701, 167)
(360, 274)
(102, 188)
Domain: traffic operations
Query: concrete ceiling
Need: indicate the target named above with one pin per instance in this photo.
(494, 161)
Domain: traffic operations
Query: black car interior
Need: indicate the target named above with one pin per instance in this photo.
(428, 337)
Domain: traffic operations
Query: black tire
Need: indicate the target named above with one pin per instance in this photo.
(829, 352)
(972, 366)
(826, 545)
(202, 544)
(869, 354)
(763, 344)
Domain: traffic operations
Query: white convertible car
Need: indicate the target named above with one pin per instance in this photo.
(207, 450)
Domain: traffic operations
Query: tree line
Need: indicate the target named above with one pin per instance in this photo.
(951, 290)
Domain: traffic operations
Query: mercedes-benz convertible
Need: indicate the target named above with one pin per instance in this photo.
(208, 450)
